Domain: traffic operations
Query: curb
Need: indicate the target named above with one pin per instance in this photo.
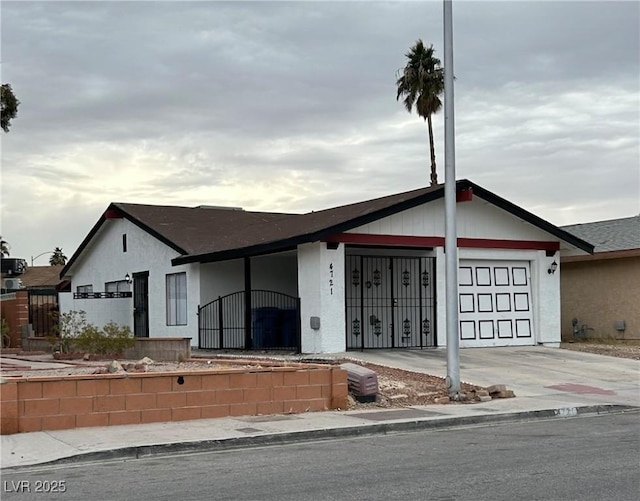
(225, 444)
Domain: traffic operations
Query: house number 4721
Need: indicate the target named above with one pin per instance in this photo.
(331, 278)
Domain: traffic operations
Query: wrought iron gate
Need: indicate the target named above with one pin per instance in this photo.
(275, 322)
(43, 306)
(390, 302)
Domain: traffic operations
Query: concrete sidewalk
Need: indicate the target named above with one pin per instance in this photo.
(135, 441)
(549, 383)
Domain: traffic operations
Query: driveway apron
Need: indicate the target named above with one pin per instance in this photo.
(551, 374)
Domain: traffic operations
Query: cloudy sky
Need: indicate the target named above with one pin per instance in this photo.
(291, 106)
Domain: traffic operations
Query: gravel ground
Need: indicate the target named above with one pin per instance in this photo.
(622, 350)
(397, 387)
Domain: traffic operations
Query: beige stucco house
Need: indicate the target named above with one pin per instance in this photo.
(602, 291)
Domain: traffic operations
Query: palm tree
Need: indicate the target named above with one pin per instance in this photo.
(420, 84)
(4, 247)
(57, 257)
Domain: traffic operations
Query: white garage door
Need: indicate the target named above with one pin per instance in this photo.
(495, 303)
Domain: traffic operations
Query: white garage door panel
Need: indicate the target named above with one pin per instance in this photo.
(495, 303)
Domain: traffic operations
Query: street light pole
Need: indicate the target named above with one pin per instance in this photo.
(42, 254)
(451, 234)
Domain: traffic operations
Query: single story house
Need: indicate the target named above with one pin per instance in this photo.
(358, 276)
(601, 292)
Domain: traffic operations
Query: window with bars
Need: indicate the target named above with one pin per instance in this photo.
(177, 299)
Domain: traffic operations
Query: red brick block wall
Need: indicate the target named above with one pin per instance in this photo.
(38, 404)
(16, 313)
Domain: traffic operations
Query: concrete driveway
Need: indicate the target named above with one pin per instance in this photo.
(548, 376)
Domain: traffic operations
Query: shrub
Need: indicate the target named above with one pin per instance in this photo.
(74, 332)
(117, 338)
(67, 328)
(89, 340)
(112, 340)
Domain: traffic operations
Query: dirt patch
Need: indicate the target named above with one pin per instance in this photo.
(397, 387)
(401, 388)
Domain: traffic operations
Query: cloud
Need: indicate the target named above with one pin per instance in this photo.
(291, 106)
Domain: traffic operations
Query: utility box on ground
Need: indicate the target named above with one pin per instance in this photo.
(362, 382)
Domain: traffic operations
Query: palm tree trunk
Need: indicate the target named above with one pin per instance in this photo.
(434, 175)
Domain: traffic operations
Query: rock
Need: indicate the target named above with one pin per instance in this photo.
(482, 393)
(442, 400)
(114, 366)
(146, 361)
(505, 394)
(399, 396)
(496, 388)
(86, 356)
(101, 370)
(484, 398)
(426, 394)
(141, 367)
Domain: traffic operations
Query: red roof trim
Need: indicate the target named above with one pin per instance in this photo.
(113, 214)
(464, 194)
(411, 241)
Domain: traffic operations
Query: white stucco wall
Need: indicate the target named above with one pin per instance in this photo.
(99, 311)
(475, 219)
(220, 279)
(481, 220)
(104, 261)
(277, 272)
(321, 288)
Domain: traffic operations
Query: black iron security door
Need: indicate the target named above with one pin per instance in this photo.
(141, 304)
(390, 302)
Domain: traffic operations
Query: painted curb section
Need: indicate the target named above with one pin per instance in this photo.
(282, 438)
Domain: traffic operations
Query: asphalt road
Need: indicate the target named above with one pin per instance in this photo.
(583, 458)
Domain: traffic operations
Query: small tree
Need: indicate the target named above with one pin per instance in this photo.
(9, 105)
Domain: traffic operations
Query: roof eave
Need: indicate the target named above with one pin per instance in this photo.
(98, 225)
(603, 256)
(324, 233)
(149, 230)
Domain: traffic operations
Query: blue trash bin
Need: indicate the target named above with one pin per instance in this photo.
(265, 327)
(289, 328)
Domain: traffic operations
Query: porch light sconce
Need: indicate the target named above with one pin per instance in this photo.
(552, 268)
(127, 278)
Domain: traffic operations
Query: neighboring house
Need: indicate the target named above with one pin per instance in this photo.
(43, 277)
(364, 275)
(602, 291)
(41, 284)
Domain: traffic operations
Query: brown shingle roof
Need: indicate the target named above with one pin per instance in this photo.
(202, 234)
(41, 276)
(199, 232)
